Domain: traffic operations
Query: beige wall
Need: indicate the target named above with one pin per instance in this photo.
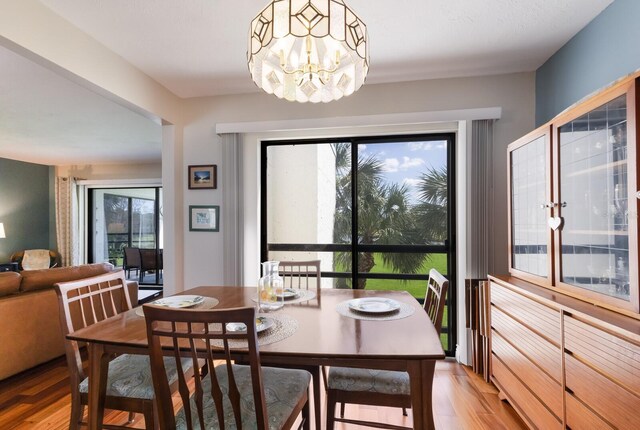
(514, 93)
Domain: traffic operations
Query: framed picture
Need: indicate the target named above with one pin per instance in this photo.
(204, 218)
(203, 177)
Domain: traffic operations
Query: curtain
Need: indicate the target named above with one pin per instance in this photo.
(479, 230)
(232, 216)
(67, 220)
(479, 199)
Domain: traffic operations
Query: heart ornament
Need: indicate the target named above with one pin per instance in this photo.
(555, 222)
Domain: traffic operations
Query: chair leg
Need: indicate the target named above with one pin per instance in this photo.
(306, 415)
(316, 396)
(77, 412)
(331, 410)
(132, 417)
(150, 422)
(342, 410)
(404, 412)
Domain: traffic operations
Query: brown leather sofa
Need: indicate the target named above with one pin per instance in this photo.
(30, 332)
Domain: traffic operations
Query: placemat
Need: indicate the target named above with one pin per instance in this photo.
(304, 296)
(283, 327)
(207, 303)
(404, 311)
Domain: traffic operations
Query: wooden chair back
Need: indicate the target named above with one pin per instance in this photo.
(85, 302)
(301, 274)
(435, 297)
(203, 334)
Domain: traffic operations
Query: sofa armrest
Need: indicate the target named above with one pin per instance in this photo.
(132, 286)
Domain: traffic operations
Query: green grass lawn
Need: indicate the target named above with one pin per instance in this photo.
(415, 288)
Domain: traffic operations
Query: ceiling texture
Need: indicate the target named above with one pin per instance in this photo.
(197, 48)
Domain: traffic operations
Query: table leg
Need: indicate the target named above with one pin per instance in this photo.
(98, 369)
(421, 377)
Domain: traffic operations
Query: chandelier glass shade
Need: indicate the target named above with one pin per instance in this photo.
(308, 50)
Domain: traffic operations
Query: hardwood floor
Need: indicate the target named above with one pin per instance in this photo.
(39, 399)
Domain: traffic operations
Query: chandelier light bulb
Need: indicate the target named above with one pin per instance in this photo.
(308, 50)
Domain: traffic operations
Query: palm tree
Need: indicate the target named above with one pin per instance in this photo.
(431, 213)
(384, 214)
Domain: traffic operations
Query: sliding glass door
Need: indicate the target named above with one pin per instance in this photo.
(383, 206)
(125, 217)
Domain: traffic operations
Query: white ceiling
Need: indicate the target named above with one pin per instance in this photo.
(198, 48)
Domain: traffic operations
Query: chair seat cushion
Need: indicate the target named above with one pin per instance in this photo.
(130, 376)
(283, 390)
(375, 381)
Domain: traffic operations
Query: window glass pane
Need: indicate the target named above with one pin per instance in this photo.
(402, 193)
(309, 193)
(529, 234)
(143, 223)
(594, 185)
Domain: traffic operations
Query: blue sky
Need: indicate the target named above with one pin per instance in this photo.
(404, 162)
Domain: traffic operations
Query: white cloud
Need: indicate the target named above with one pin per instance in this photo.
(408, 163)
(411, 182)
(390, 165)
(420, 146)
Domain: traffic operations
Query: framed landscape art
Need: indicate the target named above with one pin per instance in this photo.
(203, 177)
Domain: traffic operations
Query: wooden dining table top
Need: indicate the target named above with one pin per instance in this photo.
(322, 332)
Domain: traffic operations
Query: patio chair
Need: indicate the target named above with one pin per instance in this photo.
(129, 385)
(381, 387)
(227, 395)
(131, 260)
(150, 260)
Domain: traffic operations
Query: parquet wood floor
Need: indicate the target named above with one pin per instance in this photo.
(39, 399)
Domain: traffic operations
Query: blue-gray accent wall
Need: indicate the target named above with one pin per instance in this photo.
(608, 48)
(24, 207)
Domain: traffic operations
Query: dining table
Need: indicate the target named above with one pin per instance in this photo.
(323, 336)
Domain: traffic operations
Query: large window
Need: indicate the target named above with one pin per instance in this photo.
(383, 206)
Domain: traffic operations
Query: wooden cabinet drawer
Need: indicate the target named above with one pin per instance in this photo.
(541, 318)
(611, 401)
(534, 412)
(580, 417)
(538, 382)
(542, 352)
(612, 355)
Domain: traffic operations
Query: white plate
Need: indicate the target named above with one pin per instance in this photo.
(374, 305)
(289, 293)
(262, 324)
(185, 301)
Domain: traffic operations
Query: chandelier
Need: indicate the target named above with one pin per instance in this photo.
(308, 50)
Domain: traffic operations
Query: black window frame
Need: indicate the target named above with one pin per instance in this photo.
(449, 247)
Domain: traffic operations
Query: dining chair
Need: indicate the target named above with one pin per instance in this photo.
(302, 275)
(131, 260)
(228, 395)
(129, 385)
(381, 387)
(305, 275)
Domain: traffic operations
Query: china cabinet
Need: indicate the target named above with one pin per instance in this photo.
(572, 202)
(565, 323)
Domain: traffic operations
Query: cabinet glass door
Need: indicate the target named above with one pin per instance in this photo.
(529, 193)
(594, 194)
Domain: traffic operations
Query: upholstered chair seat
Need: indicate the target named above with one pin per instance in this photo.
(369, 380)
(130, 376)
(283, 390)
